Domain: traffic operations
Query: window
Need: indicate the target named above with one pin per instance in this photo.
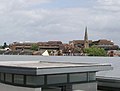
(54, 79)
(19, 79)
(8, 77)
(78, 77)
(92, 76)
(2, 76)
(34, 80)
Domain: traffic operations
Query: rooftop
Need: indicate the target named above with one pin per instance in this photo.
(41, 67)
(43, 64)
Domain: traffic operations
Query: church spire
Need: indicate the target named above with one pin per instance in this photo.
(86, 42)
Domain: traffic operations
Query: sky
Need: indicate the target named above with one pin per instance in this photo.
(64, 20)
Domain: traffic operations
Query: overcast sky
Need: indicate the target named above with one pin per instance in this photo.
(64, 20)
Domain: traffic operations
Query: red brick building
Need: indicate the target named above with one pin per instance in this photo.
(50, 45)
(105, 44)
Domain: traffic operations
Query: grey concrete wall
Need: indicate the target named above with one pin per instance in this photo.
(85, 87)
(5, 87)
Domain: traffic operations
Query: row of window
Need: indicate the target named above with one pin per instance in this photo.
(46, 79)
(22, 79)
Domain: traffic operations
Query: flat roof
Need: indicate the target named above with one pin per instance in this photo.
(42, 67)
(43, 64)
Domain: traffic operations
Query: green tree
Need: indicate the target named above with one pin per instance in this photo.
(94, 51)
(34, 47)
(1, 47)
(5, 45)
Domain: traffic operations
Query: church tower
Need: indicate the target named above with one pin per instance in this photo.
(86, 42)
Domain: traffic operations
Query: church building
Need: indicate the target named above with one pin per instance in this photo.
(81, 43)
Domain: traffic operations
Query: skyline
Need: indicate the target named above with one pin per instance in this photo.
(64, 20)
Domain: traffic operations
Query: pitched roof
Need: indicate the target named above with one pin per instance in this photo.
(79, 41)
(103, 42)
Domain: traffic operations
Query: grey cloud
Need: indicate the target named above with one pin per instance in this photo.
(109, 5)
(23, 24)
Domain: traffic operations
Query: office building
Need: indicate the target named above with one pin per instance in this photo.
(49, 76)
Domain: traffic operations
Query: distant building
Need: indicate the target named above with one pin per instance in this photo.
(50, 45)
(105, 44)
(68, 49)
(21, 46)
(75, 47)
(86, 43)
(82, 43)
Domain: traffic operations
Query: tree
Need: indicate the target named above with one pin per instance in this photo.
(34, 47)
(5, 45)
(1, 46)
(94, 51)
